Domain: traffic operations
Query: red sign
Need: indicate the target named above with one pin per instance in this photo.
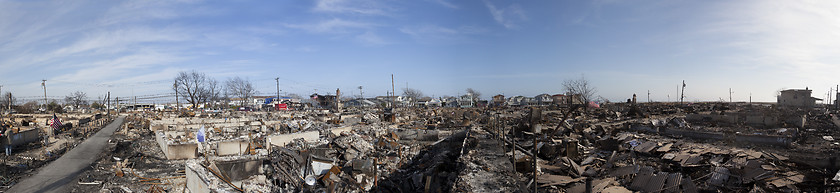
(282, 106)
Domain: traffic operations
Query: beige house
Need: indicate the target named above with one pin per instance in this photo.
(796, 98)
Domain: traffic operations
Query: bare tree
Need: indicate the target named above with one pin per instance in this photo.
(193, 86)
(241, 88)
(4, 101)
(214, 92)
(475, 94)
(55, 107)
(580, 88)
(97, 105)
(76, 99)
(26, 108)
(412, 94)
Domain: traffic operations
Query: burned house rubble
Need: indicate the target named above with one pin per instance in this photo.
(618, 147)
(28, 146)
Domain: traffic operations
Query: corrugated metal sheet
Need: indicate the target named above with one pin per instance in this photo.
(673, 182)
(642, 178)
(719, 176)
(640, 181)
(656, 182)
(688, 185)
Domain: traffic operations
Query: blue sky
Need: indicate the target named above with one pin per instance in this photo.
(440, 47)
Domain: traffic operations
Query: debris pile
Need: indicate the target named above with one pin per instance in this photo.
(625, 147)
(31, 146)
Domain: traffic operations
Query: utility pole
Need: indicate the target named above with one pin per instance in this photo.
(277, 100)
(44, 84)
(648, 96)
(338, 100)
(682, 96)
(361, 95)
(1, 112)
(750, 98)
(730, 95)
(46, 109)
(393, 94)
(177, 104)
(9, 108)
(108, 103)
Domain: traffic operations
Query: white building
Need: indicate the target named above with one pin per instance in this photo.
(796, 98)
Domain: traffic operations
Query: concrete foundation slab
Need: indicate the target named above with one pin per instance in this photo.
(176, 150)
(231, 147)
(282, 140)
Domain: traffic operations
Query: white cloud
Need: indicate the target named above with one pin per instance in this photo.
(233, 39)
(508, 16)
(334, 25)
(264, 30)
(106, 42)
(137, 11)
(446, 3)
(307, 49)
(371, 38)
(108, 71)
(365, 7)
(793, 38)
(428, 29)
(112, 41)
(50, 22)
(439, 34)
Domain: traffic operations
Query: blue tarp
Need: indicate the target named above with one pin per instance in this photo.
(200, 134)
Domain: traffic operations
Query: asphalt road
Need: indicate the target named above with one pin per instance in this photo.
(56, 176)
